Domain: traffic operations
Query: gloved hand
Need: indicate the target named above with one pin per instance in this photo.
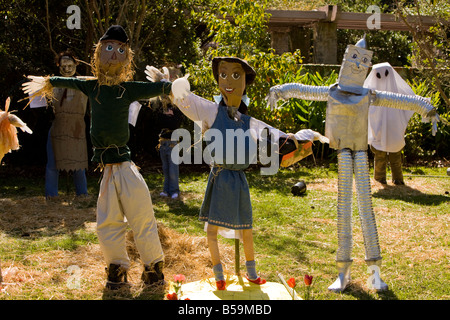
(274, 95)
(181, 88)
(36, 84)
(154, 75)
(433, 117)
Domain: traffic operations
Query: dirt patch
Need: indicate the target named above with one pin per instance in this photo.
(49, 272)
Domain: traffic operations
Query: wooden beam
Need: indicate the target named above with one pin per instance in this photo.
(343, 20)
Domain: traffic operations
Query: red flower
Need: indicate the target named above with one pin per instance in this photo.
(308, 279)
(179, 278)
(172, 296)
(291, 282)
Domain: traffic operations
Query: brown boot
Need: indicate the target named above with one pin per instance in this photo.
(116, 277)
(153, 274)
(379, 165)
(395, 160)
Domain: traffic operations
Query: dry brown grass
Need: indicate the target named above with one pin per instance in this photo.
(414, 242)
(45, 273)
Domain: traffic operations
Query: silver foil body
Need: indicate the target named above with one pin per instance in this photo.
(347, 119)
(355, 163)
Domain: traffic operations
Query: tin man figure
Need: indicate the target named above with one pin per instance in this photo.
(347, 128)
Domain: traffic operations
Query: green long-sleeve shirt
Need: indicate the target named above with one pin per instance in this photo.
(109, 113)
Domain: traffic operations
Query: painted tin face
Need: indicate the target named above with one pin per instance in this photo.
(231, 83)
(67, 67)
(354, 68)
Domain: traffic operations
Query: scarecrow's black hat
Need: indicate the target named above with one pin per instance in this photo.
(115, 32)
(250, 73)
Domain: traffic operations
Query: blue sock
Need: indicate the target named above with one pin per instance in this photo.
(218, 272)
(251, 269)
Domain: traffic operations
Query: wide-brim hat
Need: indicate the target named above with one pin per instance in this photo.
(250, 73)
(117, 33)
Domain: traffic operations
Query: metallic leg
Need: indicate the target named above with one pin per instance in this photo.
(366, 214)
(344, 206)
(368, 223)
(343, 278)
(344, 220)
(375, 281)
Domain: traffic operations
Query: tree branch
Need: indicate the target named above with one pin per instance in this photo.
(99, 17)
(91, 21)
(140, 22)
(143, 43)
(424, 48)
(49, 33)
(121, 12)
(107, 13)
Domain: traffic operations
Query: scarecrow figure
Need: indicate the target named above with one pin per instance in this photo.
(226, 207)
(387, 125)
(346, 127)
(123, 191)
(8, 131)
(66, 143)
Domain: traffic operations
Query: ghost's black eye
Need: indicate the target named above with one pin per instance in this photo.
(378, 75)
(386, 73)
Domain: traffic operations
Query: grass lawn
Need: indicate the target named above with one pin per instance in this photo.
(49, 250)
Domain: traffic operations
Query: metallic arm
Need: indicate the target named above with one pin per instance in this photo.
(296, 90)
(407, 102)
(402, 101)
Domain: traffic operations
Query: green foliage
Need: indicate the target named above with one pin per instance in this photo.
(430, 50)
(243, 35)
(160, 32)
(419, 141)
(239, 26)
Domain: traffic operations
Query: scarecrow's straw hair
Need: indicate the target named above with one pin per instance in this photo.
(103, 78)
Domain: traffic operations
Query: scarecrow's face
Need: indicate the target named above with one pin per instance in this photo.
(355, 65)
(113, 55)
(231, 82)
(67, 67)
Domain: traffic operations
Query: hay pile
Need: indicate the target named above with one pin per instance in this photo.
(184, 254)
(46, 273)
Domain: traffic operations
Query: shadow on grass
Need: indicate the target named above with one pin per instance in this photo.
(34, 217)
(408, 194)
(177, 207)
(361, 293)
(138, 292)
(291, 246)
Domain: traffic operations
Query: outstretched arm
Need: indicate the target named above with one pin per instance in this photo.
(43, 86)
(407, 102)
(296, 90)
(293, 147)
(305, 134)
(194, 107)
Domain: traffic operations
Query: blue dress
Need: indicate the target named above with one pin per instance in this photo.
(227, 197)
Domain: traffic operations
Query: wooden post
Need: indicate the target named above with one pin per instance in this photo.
(67, 182)
(325, 36)
(237, 266)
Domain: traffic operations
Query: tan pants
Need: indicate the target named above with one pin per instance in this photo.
(380, 162)
(124, 197)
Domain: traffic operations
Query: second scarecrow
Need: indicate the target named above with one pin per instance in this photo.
(231, 136)
(123, 191)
